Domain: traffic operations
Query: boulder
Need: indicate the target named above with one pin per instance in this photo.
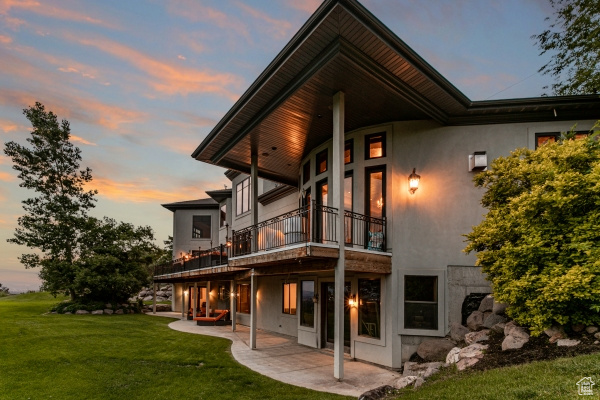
(119, 312)
(487, 304)
(474, 337)
(567, 342)
(492, 320)
(148, 298)
(162, 307)
(434, 349)
(453, 356)
(512, 329)
(553, 330)
(466, 363)
(591, 329)
(578, 327)
(472, 351)
(108, 311)
(377, 393)
(80, 312)
(97, 312)
(108, 305)
(418, 382)
(513, 342)
(421, 370)
(475, 320)
(597, 335)
(68, 313)
(458, 332)
(160, 298)
(160, 293)
(143, 293)
(499, 327)
(405, 381)
(499, 308)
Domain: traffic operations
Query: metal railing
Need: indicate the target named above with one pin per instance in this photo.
(205, 258)
(364, 232)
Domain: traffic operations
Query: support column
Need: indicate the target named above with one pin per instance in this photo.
(154, 299)
(338, 202)
(254, 200)
(195, 300)
(183, 300)
(253, 304)
(233, 307)
(208, 298)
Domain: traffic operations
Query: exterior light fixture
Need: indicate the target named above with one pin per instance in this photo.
(413, 182)
(352, 302)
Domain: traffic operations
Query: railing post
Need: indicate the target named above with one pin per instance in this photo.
(232, 243)
(221, 254)
(311, 221)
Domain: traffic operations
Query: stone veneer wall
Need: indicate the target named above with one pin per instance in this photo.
(462, 281)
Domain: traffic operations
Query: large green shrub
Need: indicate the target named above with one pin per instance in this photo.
(539, 244)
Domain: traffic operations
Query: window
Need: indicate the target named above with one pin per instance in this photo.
(551, 137)
(289, 298)
(306, 172)
(307, 306)
(348, 206)
(321, 162)
(201, 227)
(243, 299)
(242, 198)
(375, 146)
(223, 214)
(349, 151)
(369, 308)
(421, 302)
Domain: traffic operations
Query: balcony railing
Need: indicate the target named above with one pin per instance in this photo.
(205, 258)
(364, 232)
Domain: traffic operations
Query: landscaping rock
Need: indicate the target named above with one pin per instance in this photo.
(474, 337)
(119, 312)
(512, 329)
(108, 311)
(475, 320)
(420, 381)
(147, 298)
(143, 293)
(513, 342)
(161, 308)
(578, 327)
(499, 327)
(458, 332)
(487, 304)
(453, 356)
(377, 393)
(466, 363)
(597, 335)
(499, 308)
(434, 349)
(591, 329)
(80, 312)
(492, 320)
(68, 313)
(97, 312)
(567, 342)
(108, 305)
(473, 351)
(553, 330)
(423, 370)
(405, 381)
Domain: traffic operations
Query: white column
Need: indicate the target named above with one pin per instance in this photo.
(183, 300)
(338, 202)
(254, 199)
(154, 300)
(233, 298)
(208, 298)
(253, 304)
(195, 300)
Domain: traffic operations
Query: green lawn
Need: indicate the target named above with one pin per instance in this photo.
(119, 357)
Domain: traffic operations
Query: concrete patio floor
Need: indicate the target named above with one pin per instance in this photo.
(280, 357)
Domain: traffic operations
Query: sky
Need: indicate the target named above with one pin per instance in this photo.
(142, 82)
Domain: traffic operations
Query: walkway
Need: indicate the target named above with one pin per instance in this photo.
(280, 357)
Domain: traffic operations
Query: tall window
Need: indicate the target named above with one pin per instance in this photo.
(321, 162)
(421, 302)
(243, 299)
(349, 151)
(348, 194)
(369, 307)
(289, 298)
(242, 198)
(375, 146)
(223, 215)
(201, 227)
(375, 207)
(307, 306)
(306, 172)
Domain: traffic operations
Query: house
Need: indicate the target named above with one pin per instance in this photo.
(351, 162)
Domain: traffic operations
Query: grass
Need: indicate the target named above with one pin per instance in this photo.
(538, 380)
(129, 356)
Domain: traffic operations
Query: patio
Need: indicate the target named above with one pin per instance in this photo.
(281, 358)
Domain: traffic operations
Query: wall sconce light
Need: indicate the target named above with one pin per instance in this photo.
(413, 182)
(352, 302)
(185, 292)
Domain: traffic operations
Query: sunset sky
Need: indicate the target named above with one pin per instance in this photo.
(143, 82)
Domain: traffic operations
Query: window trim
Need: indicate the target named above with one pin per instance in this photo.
(318, 162)
(238, 298)
(306, 172)
(442, 301)
(313, 327)
(383, 135)
(223, 215)
(209, 230)
(368, 171)
(283, 285)
(349, 143)
(238, 191)
(380, 330)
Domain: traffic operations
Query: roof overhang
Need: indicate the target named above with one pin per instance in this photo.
(343, 47)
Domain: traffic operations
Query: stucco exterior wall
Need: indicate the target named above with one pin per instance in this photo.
(182, 231)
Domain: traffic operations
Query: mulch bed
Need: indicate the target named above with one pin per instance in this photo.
(537, 349)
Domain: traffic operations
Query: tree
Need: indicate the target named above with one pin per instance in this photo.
(55, 217)
(539, 243)
(574, 42)
(4, 291)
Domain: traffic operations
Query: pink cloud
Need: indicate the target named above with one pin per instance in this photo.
(278, 27)
(141, 191)
(6, 177)
(169, 79)
(5, 39)
(307, 6)
(78, 139)
(8, 126)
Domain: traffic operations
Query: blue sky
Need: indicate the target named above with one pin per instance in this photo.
(143, 82)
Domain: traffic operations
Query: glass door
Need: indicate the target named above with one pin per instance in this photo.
(328, 314)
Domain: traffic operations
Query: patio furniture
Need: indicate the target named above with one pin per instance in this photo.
(218, 319)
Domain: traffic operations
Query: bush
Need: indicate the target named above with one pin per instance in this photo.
(539, 244)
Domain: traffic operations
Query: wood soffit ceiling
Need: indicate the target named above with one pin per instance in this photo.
(343, 47)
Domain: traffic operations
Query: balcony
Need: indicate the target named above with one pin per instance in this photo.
(305, 239)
